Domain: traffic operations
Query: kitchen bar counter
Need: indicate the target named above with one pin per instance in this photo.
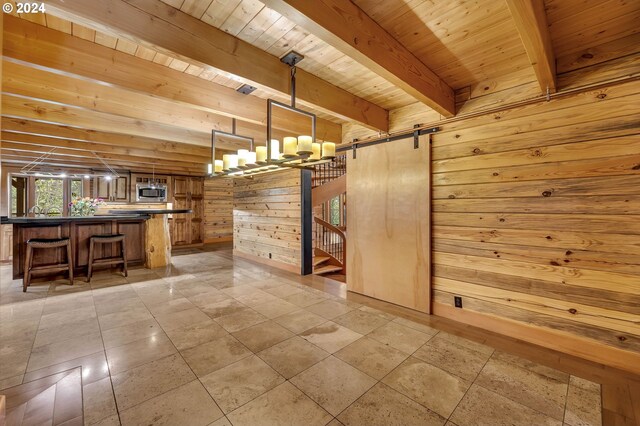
(79, 229)
(151, 211)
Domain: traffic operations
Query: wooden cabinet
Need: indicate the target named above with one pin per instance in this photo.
(6, 249)
(114, 190)
(188, 229)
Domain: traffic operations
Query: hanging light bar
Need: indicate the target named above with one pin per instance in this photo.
(295, 152)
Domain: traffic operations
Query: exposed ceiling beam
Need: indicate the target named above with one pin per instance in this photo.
(63, 161)
(38, 46)
(343, 25)
(48, 112)
(531, 20)
(35, 83)
(102, 140)
(88, 155)
(162, 27)
(102, 149)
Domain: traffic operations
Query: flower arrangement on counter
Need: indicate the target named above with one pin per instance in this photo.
(85, 206)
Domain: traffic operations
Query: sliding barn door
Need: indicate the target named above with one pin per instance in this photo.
(388, 223)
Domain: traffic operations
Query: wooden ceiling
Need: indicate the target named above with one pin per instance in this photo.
(129, 79)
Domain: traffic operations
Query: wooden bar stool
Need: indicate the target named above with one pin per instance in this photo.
(46, 243)
(114, 260)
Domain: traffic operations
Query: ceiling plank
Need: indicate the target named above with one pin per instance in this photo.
(164, 28)
(88, 155)
(345, 26)
(99, 138)
(39, 46)
(141, 151)
(531, 20)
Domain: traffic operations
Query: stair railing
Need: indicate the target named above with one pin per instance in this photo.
(331, 240)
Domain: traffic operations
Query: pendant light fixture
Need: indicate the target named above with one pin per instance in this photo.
(300, 151)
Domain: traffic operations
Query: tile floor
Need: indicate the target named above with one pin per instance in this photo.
(217, 341)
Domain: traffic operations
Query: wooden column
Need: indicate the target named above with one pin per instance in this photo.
(157, 241)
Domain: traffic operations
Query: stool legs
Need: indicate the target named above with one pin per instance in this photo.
(90, 271)
(124, 257)
(70, 262)
(26, 278)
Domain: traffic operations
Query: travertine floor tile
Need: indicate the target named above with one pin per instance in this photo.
(173, 320)
(122, 335)
(240, 320)
(400, 337)
(304, 299)
(383, 405)
(372, 357)
(98, 401)
(214, 355)
(299, 321)
(94, 368)
(536, 391)
(292, 356)
(189, 404)
(284, 405)
(64, 350)
(430, 386)
(262, 336)
(329, 309)
(360, 321)
(138, 384)
(256, 297)
(584, 405)
(283, 290)
(173, 305)
(129, 316)
(452, 358)
(333, 384)
(50, 335)
(275, 308)
(223, 307)
(125, 357)
(416, 326)
(240, 382)
(196, 334)
(330, 336)
(481, 407)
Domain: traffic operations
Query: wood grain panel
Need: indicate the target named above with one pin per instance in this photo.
(536, 215)
(267, 218)
(218, 210)
(388, 249)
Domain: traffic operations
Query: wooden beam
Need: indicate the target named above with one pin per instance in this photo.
(345, 26)
(531, 20)
(88, 154)
(100, 140)
(164, 28)
(37, 46)
(82, 146)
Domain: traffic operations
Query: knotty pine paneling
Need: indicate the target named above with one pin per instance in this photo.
(536, 215)
(267, 218)
(218, 210)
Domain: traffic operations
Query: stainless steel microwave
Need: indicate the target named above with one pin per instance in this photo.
(146, 193)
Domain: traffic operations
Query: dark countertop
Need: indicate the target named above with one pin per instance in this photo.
(63, 219)
(150, 211)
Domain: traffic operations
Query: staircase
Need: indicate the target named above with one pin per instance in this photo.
(329, 240)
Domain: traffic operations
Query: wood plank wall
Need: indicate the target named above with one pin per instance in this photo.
(218, 210)
(536, 215)
(267, 218)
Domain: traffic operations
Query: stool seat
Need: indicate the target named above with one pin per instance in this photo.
(46, 243)
(106, 239)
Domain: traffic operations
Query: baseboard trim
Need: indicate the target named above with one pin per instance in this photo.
(218, 240)
(269, 262)
(556, 340)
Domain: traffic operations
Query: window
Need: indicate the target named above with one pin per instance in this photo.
(19, 196)
(49, 196)
(76, 189)
(334, 211)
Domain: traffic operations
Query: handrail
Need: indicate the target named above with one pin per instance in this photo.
(331, 227)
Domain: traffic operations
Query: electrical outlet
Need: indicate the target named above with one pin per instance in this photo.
(269, 255)
(457, 300)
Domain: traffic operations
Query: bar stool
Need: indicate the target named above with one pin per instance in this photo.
(114, 260)
(46, 243)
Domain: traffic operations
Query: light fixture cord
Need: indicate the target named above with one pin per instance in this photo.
(293, 85)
